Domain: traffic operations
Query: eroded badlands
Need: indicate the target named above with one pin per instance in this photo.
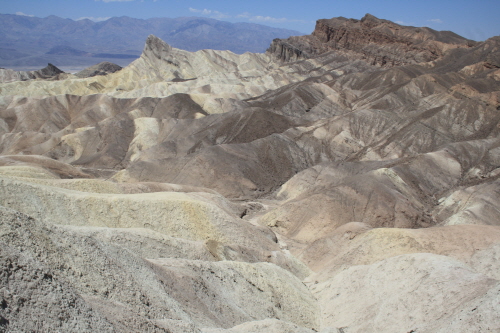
(346, 181)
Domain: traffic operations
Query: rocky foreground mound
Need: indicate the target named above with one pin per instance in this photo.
(314, 188)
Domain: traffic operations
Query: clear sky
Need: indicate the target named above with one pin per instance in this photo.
(477, 20)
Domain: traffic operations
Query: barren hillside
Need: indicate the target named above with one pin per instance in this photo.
(345, 181)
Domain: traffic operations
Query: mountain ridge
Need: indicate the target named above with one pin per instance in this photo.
(124, 35)
(364, 38)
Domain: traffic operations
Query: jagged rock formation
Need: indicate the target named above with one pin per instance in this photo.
(103, 68)
(162, 70)
(214, 192)
(378, 42)
(49, 72)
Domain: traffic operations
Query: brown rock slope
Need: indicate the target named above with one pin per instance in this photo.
(376, 41)
(351, 185)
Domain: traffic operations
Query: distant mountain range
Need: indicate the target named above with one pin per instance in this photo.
(32, 41)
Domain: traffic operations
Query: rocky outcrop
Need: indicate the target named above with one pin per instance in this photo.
(285, 51)
(49, 72)
(378, 42)
(162, 71)
(103, 68)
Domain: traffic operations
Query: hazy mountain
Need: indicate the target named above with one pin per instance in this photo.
(26, 40)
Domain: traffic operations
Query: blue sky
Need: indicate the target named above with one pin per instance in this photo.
(477, 20)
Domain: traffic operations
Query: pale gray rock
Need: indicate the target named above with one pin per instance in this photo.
(405, 293)
(33, 296)
(225, 293)
(108, 272)
(266, 325)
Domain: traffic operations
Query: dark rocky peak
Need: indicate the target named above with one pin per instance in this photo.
(377, 41)
(103, 68)
(371, 20)
(49, 71)
(380, 30)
